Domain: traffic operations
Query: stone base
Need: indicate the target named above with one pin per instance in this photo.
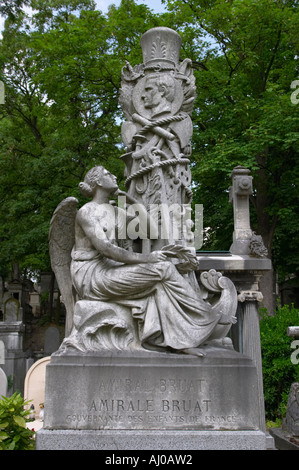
(283, 439)
(150, 440)
(151, 400)
(150, 390)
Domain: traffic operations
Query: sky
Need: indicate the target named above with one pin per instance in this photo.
(155, 5)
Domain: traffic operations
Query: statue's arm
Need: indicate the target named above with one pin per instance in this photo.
(96, 235)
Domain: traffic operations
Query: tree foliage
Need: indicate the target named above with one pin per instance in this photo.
(279, 372)
(246, 56)
(61, 67)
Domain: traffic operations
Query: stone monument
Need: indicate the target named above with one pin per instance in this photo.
(147, 362)
(287, 437)
(12, 330)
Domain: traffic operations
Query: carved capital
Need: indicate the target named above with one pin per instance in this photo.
(250, 296)
(161, 48)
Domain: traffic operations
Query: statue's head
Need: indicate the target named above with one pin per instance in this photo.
(97, 176)
(158, 87)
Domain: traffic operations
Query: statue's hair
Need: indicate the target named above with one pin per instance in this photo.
(165, 83)
(91, 178)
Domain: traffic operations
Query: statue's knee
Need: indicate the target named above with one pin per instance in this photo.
(168, 269)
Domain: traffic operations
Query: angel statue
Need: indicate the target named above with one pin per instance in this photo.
(120, 299)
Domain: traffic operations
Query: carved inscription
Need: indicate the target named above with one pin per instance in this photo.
(145, 385)
(172, 403)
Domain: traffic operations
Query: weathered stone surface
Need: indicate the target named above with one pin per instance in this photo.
(283, 440)
(52, 340)
(101, 326)
(3, 383)
(151, 390)
(168, 311)
(292, 416)
(150, 440)
(151, 271)
(12, 335)
(2, 352)
(11, 310)
(245, 241)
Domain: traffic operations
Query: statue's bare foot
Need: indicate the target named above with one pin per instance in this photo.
(193, 352)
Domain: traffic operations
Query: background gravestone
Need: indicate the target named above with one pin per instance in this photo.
(3, 383)
(52, 340)
(11, 310)
(2, 353)
(34, 388)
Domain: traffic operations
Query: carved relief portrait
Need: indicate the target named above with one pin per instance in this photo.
(156, 94)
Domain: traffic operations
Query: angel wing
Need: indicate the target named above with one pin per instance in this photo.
(61, 242)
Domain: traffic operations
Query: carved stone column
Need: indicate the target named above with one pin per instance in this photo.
(240, 191)
(251, 343)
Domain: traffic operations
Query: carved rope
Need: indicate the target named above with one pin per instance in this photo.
(162, 121)
(143, 171)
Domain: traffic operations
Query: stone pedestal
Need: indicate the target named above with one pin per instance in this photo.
(151, 400)
(11, 335)
(245, 272)
(150, 440)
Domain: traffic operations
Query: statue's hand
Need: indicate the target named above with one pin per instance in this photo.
(129, 198)
(156, 256)
(226, 320)
(119, 192)
(186, 267)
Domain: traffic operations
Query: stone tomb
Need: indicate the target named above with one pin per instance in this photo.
(137, 395)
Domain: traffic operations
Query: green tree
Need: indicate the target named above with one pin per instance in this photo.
(61, 68)
(58, 119)
(279, 372)
(245, 53)
(12, 8)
